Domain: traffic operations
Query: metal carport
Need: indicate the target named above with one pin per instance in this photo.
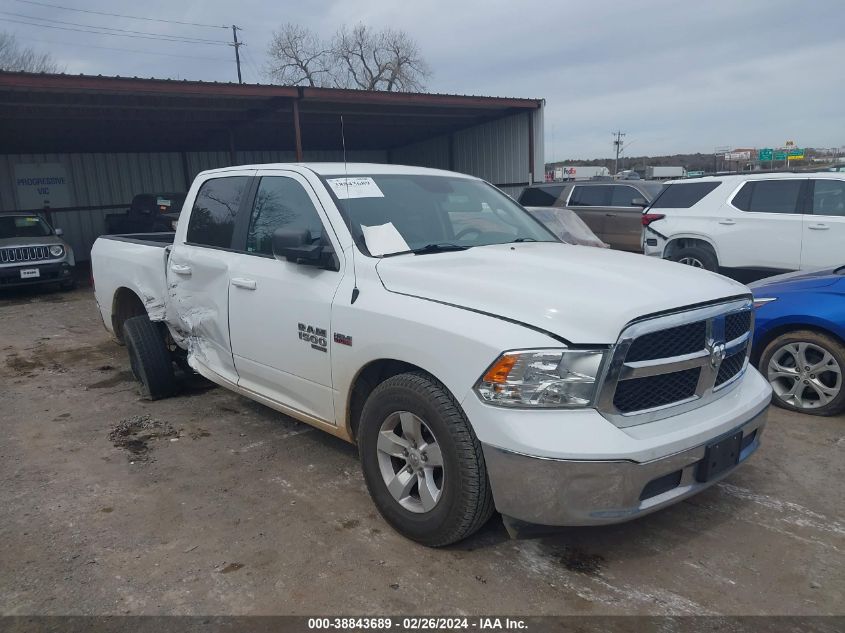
(114, 137)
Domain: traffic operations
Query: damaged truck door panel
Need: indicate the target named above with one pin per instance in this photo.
(477, 362)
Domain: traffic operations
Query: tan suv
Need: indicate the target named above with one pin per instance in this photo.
(612, 209)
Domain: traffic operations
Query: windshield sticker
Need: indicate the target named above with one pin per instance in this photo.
(384, 239)
(355, 187)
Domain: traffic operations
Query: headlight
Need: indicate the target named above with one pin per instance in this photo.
(57, 250)
(759, 303)
(551, 378)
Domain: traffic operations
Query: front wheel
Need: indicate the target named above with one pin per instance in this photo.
(805, 370)
(422, 463)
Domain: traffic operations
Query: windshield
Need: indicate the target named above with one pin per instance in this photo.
(23, 226)
(393, 213)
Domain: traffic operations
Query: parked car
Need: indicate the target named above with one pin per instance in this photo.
(799, 341)
(148, 213)
(485, 366)
(567, 226)
(750, 226)
(32, 252)
(612, 210)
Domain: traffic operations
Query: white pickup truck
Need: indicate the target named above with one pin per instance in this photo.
(475, 360)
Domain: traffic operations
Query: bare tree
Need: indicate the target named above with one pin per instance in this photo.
(354, 58)
(15, 57)
(299, 57)
(387, 60)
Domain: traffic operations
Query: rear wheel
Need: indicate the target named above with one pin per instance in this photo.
(805, 370)
(697, 257)
(422, 463)
(149, 357)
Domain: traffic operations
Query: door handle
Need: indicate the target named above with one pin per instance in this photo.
(727, 222)
(818, 227)
(610, 215)
(180, 269)
(246, 284)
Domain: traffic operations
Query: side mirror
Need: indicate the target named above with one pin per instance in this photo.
(639, 202)
(295, 245)
(58, 232)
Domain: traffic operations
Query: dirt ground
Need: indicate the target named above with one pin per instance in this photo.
(208, 503)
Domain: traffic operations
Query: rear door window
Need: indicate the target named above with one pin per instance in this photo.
(215, 210)
(683, 195)
(623, 196)
(829, 197)
(590, 196)
(540, 196)
(769, 196)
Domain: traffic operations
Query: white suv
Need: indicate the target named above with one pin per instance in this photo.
(750, 226)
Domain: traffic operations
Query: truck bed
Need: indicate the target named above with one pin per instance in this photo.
(136, 262)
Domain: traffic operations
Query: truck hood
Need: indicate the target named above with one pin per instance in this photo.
(582, 294)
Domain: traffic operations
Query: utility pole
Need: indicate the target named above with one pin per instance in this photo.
(237, 46)
(617, 143)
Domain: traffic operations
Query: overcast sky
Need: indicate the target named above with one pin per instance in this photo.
(677, 76)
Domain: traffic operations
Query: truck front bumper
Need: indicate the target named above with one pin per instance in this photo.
(561, 492)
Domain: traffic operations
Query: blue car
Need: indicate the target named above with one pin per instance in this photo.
(799, 339)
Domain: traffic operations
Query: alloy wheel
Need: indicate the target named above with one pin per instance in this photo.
(410, 462)
(691, 261)
(804, 375)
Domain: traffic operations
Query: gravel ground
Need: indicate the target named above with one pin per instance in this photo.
(208, 503)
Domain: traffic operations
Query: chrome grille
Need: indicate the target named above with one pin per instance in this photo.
(24, 254)
(737, 324)
(730, 367)
(675, 341)
(672, 363)
(639, 394)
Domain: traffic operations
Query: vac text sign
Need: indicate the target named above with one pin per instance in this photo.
(42, 185)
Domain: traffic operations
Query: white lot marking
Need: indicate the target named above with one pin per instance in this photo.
(249, 447)
(792, 512)
(539, 561)
(710, 572)
(296, 432)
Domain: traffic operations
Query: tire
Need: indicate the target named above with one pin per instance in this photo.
(819, 390)
(465, 500)
(697, 257)
(149, 357)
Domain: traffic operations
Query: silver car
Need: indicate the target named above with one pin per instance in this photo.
(33, 252)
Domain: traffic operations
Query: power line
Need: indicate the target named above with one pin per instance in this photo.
(129, 50)
(161, 38)
(109, 28)
(253, 65)
(119, 15)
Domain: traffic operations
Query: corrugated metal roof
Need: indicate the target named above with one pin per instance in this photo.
(248, 88)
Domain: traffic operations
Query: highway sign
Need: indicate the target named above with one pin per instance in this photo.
(765, 154)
